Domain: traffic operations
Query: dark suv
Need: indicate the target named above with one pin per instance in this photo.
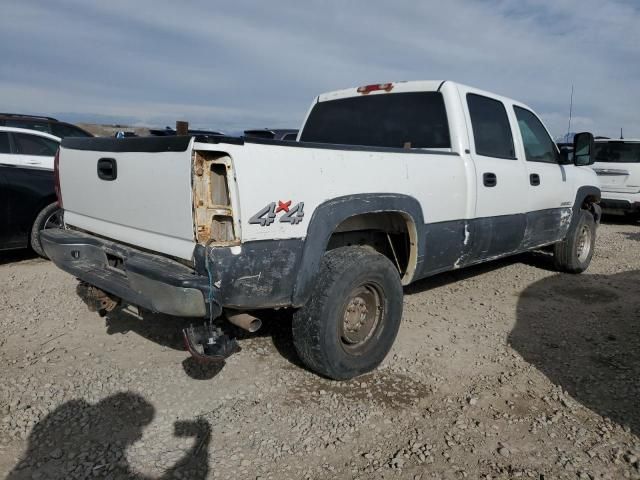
(43, 124)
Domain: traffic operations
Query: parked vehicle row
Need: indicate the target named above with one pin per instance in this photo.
(388, 184)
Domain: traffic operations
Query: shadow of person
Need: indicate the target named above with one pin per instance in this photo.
(81, 440)
(583, 333)
(167, 331)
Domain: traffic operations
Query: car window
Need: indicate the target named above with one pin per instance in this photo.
(491, 130)
(5, 147)
(291, 137)
(34, 145)
(64, 130)
(538, 146)
(40, 125)
(413, 119)
(617, 152)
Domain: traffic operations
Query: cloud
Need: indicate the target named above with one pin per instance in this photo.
(229, 65)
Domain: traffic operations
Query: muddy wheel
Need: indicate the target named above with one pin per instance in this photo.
(573, 254)
(49, 217)
(352, 318)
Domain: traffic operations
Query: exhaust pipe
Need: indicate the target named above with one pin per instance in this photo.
(244, 320)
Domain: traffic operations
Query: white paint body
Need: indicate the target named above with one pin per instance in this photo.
(150, 205)
(619, 181)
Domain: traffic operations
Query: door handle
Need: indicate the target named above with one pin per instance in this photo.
(489, 179)
(107, 169)
(534, 179)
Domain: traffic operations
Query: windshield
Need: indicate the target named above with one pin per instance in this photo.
(617, 152)
(398, 120)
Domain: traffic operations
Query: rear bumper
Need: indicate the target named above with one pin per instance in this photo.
(146, 280)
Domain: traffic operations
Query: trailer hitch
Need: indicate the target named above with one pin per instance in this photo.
(208, 344)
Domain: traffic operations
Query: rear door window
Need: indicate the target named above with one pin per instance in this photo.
(5, 146)
(538, 146)
(617, 152)
(34, 145)
(491, 129)
(395, 120)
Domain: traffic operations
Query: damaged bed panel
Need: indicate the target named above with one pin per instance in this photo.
(260, 274)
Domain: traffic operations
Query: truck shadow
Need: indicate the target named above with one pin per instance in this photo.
(81, 440)
(613, 219)
(581, 331)
(14, 256)
(632, 236)
(539, 259)
(166, 331)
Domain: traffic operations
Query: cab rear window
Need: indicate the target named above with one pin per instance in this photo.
(617, 152)
(395, 120)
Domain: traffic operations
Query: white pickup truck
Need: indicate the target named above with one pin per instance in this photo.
(387, 184)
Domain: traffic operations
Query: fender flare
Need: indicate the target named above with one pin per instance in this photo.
(326, 218)
(582, 193)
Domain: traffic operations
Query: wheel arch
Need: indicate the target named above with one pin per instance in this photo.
(42, 204)
(588, 197)
(328, 216)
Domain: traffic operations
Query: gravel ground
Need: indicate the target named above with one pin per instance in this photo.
(507, 370)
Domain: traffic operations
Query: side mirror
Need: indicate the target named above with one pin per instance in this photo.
(583, 149)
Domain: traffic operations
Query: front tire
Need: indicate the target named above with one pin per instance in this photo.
(574, 253)
(353, 315)
(49, 217)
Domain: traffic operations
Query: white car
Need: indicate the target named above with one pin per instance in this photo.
(30, 148)
(617, 163)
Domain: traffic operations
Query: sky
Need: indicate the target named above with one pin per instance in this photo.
(251, 64)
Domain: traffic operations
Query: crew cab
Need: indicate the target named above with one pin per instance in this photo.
(617, 163)
(388, 184)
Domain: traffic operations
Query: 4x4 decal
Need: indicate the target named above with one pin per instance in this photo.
(268, 214)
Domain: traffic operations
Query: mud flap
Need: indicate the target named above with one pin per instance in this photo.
(208, 344)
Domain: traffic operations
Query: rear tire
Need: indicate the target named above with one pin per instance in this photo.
(574, 253)
(49, 217)
(352, 317)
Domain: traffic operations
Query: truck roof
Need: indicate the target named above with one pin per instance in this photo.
(402, 86)
(405, 86)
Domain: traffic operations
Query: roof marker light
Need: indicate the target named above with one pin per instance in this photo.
(375, 87)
